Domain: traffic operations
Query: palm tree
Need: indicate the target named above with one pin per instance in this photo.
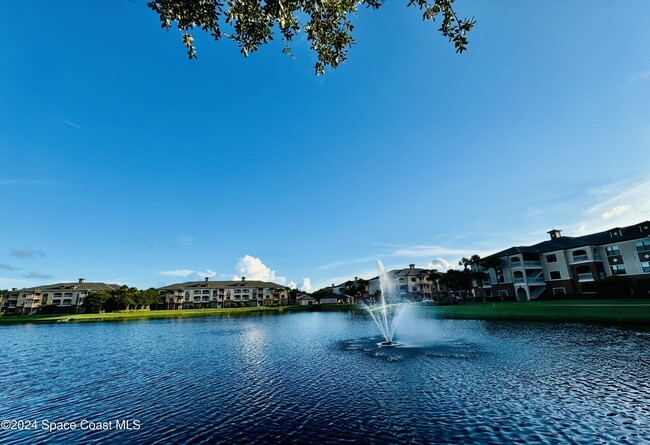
(434, 276)
(494, 263)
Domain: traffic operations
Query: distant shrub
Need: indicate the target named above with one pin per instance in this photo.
(52, 309)
(642, 288)
(614, 287)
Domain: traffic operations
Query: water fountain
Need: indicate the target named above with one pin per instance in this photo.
(384, 312)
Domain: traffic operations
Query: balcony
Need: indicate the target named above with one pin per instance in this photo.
(526, 265)
(583, 277)
(530, 281)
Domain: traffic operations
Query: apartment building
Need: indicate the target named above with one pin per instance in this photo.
(29, 300)
(410, 284)
(216, 294)
(568, 265)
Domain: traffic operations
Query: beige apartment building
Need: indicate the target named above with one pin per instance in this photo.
(411, 284)
(566, 265)
(216, 294)
(29, 300)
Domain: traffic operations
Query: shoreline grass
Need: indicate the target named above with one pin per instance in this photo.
(632, 311)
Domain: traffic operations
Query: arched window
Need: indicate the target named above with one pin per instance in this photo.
(515, 260)
(519, 277)
(580, 255)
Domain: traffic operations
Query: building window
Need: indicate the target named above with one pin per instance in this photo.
(618, 269)
(555, 275)
(503, 293)
(206, 292)
(412, 279)
(402, 288)
(197, 292)
(552, 258)
(645, 266)
(515, 260)
(402, 280)
(414, 289)
(612, 250)
(559, 291)
(642, 245)
(580, 255)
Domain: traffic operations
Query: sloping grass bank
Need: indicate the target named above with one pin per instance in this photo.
(138, 315)
(632, 311)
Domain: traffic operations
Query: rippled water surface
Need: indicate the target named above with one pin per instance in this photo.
(320, 378)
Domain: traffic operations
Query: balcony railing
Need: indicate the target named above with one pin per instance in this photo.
(585, 277)
(529, 280)
(527, 264)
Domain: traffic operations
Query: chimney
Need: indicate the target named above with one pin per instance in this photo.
(555, 234)
(206, 279)
(243, 278)
(411, 266)
(333, 285)
(14, 289)
(356, 279)
(81, 280)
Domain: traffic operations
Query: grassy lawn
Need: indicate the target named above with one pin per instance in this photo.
(566, 310)
(136, 315)
(637, 311)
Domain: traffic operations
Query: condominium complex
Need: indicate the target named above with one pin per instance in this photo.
(411, 284)
(568, 265)
(64, 295)
(223, 294)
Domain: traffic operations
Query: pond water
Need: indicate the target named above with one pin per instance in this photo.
(320, 378)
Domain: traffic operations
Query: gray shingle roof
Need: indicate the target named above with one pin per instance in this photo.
(74, 286)
(223, 284)
(629, 233)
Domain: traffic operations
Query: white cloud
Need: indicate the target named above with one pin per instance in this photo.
(176, 273)
(26, 253)
(615, 205)
(440, 264)
(13, 282)
(291, 285)
(187, 272)
(423, 250)
(616, 211)
(38, 275)
(254, 269)
(306, 284)
(72, 124)
(639, 77)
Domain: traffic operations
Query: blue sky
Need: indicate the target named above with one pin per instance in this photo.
(123, 161)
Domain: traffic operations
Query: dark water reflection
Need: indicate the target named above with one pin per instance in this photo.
(320, 378)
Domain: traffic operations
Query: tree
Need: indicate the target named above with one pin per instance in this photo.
(355, 289)
(250, 23)
(125, 297)
(145, 298)
(457, 280)
(322, 293)
(95, 301)
(434, 276)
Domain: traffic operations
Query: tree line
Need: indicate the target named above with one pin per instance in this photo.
(124, 298)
